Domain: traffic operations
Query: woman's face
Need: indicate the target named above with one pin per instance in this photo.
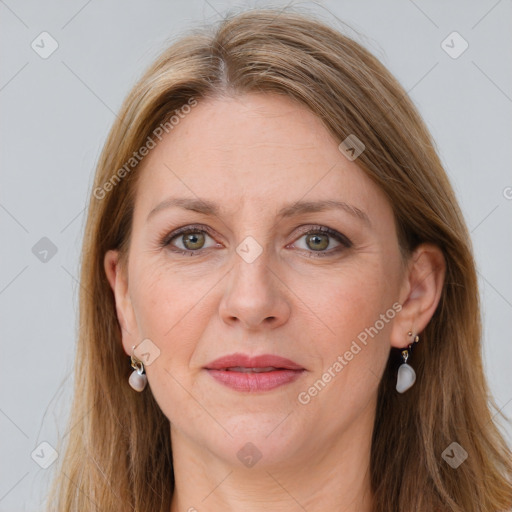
(289, 250)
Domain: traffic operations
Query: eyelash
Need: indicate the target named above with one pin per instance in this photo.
(342, 239)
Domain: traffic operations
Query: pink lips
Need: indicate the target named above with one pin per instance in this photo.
(260, 373)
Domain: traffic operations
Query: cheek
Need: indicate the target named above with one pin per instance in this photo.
(165, 301)
(355, 307)
(353, 347)
(170, 311)
(352, 300)
(173, 310)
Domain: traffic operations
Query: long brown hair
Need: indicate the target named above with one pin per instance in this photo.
(118, 451)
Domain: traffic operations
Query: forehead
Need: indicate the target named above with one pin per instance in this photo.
(259, 149)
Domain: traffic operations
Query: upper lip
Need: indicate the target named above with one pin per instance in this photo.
(246, 361)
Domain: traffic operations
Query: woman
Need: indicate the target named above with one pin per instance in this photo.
(279, 305)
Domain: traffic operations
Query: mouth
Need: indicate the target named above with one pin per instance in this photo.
(251, 370)
(254, 374)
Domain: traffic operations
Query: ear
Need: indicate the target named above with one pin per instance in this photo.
(117, 276)
(419, 294)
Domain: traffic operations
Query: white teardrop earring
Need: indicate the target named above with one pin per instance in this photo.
(406, 375)
(138, 379)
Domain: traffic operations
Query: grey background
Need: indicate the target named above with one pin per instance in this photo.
(56, 113)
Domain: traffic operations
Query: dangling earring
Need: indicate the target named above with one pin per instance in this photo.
(138, 379)
(406, 375)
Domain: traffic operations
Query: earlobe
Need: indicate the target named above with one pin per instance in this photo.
(422, 288)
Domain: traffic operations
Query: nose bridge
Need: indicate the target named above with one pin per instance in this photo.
(251, 268)
(254, 295)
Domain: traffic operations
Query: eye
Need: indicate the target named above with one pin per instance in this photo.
(316, 241)
(189, 239)
(323, 241)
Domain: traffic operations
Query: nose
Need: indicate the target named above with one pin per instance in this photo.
(255, 297)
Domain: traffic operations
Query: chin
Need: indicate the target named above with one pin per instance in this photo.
(257, 439)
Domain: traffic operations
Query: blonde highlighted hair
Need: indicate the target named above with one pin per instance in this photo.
(118, 455)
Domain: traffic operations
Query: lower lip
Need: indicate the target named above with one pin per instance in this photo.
(253, 382)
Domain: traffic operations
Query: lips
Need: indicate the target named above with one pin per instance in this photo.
(251, 370)
(249, 374)
(244, 361)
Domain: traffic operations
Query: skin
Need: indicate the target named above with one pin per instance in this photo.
(252, 155)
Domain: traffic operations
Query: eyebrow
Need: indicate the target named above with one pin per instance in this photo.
(300, 207)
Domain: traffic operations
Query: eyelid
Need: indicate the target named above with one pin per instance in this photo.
(189, 228)
(344, 241)
(311, 228)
